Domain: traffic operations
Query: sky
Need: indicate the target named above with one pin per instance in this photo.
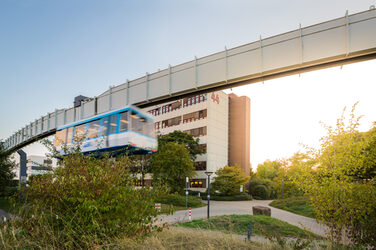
(52, 51)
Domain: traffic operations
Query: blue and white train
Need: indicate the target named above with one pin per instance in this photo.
(124, 130)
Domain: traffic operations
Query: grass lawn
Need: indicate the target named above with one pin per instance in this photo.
(262, 225)
(298, 205)
(4, 204)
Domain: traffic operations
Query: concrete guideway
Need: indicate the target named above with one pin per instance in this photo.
(245, 207)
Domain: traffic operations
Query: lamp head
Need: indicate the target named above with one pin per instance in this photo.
(208, 173)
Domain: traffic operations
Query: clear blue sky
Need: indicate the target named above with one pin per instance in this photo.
(52, 51)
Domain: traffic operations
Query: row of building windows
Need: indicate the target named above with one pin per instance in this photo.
(198, 115)
(197, 132)
(195, 116)
(178, 104)
(194, 100)
(171, 122)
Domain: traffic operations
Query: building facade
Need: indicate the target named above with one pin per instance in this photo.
(205, 116)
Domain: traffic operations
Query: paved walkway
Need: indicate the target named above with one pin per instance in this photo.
(244, 207)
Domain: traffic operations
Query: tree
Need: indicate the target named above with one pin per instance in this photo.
(229, 179)
(184, 138)
(268, 169)
(171, 165)
(292, 169)
(6, 167)
(342, 187)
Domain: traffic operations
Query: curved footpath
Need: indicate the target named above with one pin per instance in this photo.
(244, 207)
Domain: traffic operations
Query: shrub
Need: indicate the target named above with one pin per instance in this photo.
(179, 200)
(95, 195)
(261, 192)
(266, 183)
(9, 191)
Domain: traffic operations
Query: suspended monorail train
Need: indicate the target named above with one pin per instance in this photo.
(127, 130)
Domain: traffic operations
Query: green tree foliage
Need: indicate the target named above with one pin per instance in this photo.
(256, 188)
(268, 169)
(89, 196)
(6, 167)
(229, 179)
(171, 165)
(292, 169)
(342, 188)
(184, 138)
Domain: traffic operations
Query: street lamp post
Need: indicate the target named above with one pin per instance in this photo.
(186, 191)
(208, 174)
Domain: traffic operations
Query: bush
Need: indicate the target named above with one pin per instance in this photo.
(238, 197)
(254, 189)
(9, 191)
(261, 192)
(96, 196)
(179, 200)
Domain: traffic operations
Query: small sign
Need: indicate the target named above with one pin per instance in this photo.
(241, 188)
(158, 206)
(23, 178)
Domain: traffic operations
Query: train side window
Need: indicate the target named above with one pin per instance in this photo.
(104, 125)
(142, 126)
(57, 140)
(93, 129)
(79, 132)
(123, 121)
(113, 124)
(151, 128)
(69, 135)
(63, 136)
(109, 125)
(134, 119)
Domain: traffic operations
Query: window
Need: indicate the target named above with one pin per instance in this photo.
(123, 121)
(198, 183)
(109, 125)
(151, 128)
(69, 135)
(195, 115)
(47, 161)
(196, 132)
(58, 138)
(134, 118)
(171, 122)
(93, 129)
(200, 165)
(79, 132)
(142, 125)
(194, 100)
(157, 125)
